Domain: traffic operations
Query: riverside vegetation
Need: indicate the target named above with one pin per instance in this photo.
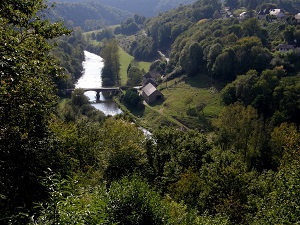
(67, 163)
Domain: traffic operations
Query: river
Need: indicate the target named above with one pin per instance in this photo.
(91, 78)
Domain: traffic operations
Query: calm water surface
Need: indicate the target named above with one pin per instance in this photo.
(91, 78)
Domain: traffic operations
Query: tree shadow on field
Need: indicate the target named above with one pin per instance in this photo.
(204, 82)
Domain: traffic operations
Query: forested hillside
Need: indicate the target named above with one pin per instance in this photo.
(96, 14)
(63, 162)
(146, 8)
(89, 15)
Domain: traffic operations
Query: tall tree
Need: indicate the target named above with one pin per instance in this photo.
(111, 69)
(240, 128)
(27, 98)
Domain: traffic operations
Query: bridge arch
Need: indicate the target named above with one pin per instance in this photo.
(98, 90)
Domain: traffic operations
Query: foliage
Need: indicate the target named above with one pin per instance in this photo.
(246, 172)
(104, 34)
(225, 185)
(70, 203)
(133, 201)
(135, 76)
(130, 26)
(121, 149)
(110, 71)
(280, 205)
(241, 129)
(143, 48)
(273, 95)
(68, 49)
(225, 48)
(132, 99)
(27, 100)
(90, 15)
(78, 106)
(171, 152)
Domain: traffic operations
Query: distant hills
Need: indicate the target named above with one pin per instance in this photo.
(89, 15)
(94, 14)
(146, 8)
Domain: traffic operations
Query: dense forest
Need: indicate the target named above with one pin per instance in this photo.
(93, 15)
(148, 8)
(64, 162)
(89, 15)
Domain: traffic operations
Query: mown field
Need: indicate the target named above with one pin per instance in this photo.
(194, 102)
(125, 60)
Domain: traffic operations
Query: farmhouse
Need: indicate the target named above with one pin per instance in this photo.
(285, 47)
(151, 94)
(278, 13)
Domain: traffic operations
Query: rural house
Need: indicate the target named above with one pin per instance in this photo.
(285, 47)
(151, 94)
(278, 13)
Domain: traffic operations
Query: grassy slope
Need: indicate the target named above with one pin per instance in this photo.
(125, 60)
(180, 95)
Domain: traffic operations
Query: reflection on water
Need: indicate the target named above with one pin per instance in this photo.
(91, 78)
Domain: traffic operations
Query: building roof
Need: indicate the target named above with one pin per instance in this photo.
(286, 46)
(243, 14)
(149, 89)
(277, 12)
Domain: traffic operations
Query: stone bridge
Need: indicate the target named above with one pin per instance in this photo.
(98, 90)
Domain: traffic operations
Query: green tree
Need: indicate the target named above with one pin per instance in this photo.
(27, 99)
(264, 89)
(171, 152)
(111, 69)
(131, 201)
(213, 53)
(121, 150)
(223, 67)
(286, 105)
(224, 185)
(280, 206)
(244, 58)
(134, 76)
(70, 202)
(242, 89)
(240, 128)
(132, 99)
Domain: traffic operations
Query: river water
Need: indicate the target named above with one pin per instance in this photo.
(91, 78)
